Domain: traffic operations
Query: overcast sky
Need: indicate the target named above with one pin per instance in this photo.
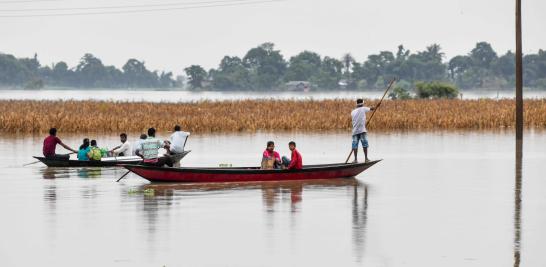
(172, 40)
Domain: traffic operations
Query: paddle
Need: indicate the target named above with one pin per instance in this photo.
(373, 112)
(123, 176)
(39, 161)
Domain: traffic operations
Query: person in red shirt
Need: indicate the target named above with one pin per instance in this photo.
(50, 143)
(295, 163)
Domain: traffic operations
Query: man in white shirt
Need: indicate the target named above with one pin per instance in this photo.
(124, 149)
(359, 128)
(177, 141)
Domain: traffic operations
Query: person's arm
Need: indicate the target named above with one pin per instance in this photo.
(137, 152)
(115, 148)
(67, 147)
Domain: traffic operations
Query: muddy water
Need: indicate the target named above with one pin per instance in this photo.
(437, 199)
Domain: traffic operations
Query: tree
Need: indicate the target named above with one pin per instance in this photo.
(436, 90)
(330, 73)
(196, 75)
(136, 75)
(231, 75)
(90, 72)
(348, 61)
(303, 66)
(483, 55)
(266, 65)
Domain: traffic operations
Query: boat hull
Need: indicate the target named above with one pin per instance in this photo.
(222, 175)
(84, 163)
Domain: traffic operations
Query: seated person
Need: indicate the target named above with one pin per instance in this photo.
(122, 150)
(270, 158)
(148, 150)
(50, 143)
(84, 150)
(95, 152)
(295, 163)
(177, 141)
(138, 142)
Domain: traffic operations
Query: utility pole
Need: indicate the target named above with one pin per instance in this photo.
(519, 76)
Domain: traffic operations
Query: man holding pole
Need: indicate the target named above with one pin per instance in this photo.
(359, 128)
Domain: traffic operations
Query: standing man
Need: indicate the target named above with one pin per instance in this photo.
(148, 150)
(359, 128)
(122, 150)
(50, 143)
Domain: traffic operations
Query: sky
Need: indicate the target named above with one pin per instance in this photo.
(176, 38)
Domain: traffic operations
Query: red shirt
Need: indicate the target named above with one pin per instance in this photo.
(295, 161)
(50, 143)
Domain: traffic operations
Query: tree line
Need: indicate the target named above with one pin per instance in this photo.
(265, 68)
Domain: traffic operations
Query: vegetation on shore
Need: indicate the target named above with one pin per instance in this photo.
(265, 68)
(23, 116)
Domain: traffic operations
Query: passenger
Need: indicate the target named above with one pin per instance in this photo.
(94, 153)
(295, 163)
(138, 142)
(177, 141)
(359, 128)
(270, 157)
(84, 150)
(122, 150)
(50, 143)
(148, 150)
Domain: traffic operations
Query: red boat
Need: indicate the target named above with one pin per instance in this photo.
(247, 174)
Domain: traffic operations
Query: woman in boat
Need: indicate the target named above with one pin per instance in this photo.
(270, 158)
(84, 150)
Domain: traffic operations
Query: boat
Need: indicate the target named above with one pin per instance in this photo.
(246, 174)
(105, 162)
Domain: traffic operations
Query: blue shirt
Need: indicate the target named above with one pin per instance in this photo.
(82, 153)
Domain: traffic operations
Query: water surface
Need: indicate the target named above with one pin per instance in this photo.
(436, 199)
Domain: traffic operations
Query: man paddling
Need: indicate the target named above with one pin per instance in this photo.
(359, 128)
(50, 143)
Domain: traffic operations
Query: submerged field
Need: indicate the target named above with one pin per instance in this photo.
(254, 115)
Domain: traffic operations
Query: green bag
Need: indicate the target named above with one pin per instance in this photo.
(96, 154)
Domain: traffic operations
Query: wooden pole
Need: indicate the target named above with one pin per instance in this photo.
(519, 75)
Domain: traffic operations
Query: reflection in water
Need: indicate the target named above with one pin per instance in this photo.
(517, 204)
(360, 218)
(59, 172)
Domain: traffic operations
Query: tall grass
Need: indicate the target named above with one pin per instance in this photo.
(253, 115)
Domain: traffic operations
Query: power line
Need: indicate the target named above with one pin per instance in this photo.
(138, 11)
(28, 1)
(120, 6)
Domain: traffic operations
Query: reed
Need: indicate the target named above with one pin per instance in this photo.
(21, 116)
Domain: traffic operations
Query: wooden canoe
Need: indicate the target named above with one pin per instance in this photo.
(246, 174)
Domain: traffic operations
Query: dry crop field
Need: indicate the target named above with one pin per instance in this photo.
(21, 116)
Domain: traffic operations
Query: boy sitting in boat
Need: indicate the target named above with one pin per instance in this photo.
(270, 158)
(295, 163)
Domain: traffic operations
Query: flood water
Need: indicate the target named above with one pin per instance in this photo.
(192, 96)
(436, 199)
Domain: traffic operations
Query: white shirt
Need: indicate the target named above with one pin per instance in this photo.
(125, 148)
(178, 140)
(137, 146)
(359, 119)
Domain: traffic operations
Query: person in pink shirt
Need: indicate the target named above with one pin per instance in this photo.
(50, 143)
(271, 158)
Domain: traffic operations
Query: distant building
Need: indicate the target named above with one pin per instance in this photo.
(298, 86)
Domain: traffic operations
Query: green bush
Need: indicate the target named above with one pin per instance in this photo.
(399, 93)
(436, 90)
